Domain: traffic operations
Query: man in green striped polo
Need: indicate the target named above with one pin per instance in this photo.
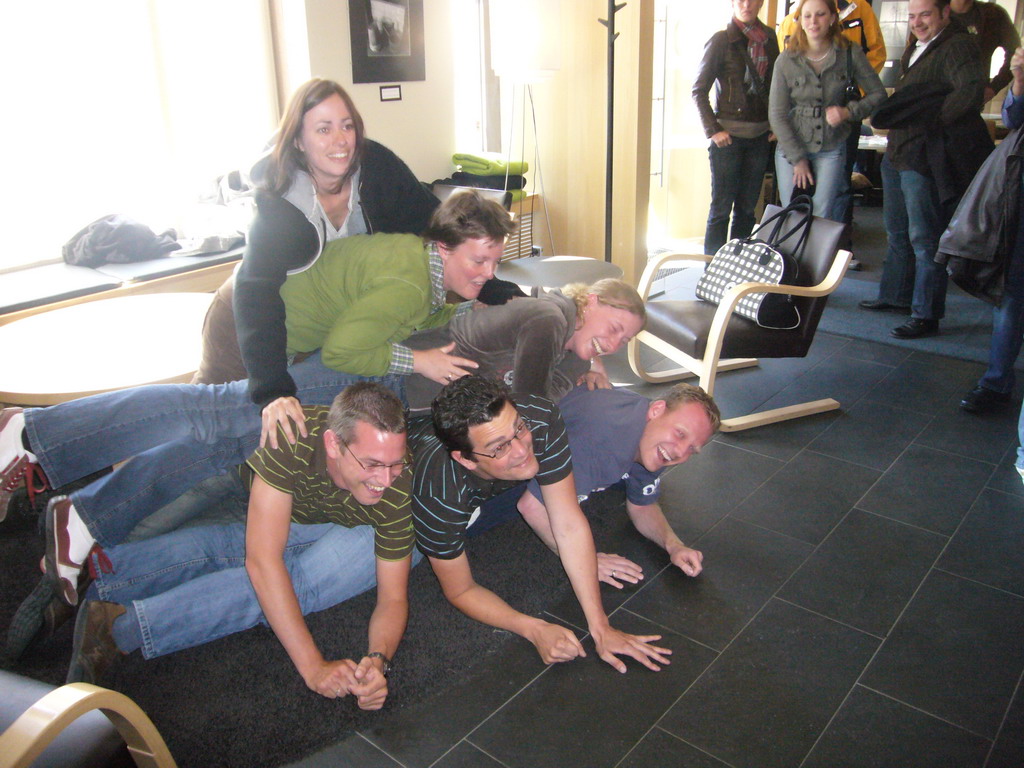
(335, 499)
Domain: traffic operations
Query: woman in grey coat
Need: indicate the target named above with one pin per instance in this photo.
(821, 86)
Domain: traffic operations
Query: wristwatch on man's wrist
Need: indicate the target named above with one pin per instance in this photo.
(384, 660)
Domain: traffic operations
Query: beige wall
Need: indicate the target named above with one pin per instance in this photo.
(571, 115)
(420, 127)
(680, 204)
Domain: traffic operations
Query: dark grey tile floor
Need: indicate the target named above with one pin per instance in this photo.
(862, 602)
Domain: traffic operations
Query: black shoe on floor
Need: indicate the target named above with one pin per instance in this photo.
(916, 328)
(984, 400)
(39, 617)
(883, 306)
(27, 624)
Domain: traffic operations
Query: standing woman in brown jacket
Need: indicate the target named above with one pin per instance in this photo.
(738, 61)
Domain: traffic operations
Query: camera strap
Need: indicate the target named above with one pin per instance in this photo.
(760, 84)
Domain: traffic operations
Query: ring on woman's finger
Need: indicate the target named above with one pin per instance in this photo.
(338, 693)
(613, 574)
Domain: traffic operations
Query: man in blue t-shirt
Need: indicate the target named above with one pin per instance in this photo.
(619, 436)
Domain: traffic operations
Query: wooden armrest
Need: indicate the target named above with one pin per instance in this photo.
(30, 734)
(835, 274)
(732, 297)
(658, 263)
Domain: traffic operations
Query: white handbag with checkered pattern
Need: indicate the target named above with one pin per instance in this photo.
(750, 260)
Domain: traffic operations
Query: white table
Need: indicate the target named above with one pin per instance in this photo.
(555, 271)
(101, 346)
(877, 143)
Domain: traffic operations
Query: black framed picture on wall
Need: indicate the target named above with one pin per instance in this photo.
(387, 41)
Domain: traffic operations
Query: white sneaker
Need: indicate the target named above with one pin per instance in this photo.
(68, 543)
(17, 465)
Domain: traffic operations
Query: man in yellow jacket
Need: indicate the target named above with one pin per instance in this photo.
(860, 27)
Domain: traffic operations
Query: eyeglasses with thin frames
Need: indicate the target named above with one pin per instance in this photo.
(502, 448)
(375, 466)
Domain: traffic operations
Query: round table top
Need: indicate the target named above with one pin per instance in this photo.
(101, 346)
(556, 271)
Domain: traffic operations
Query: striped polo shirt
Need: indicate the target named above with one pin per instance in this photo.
(300, 470)
(445, 493)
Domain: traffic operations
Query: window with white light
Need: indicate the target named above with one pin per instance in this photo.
(132, 107)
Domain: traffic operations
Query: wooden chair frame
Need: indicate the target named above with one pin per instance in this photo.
(711, 364)
(40, 724)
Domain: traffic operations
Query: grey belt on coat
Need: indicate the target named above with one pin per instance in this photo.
(809, 111)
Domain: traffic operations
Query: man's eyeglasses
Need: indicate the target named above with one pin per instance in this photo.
(502, 448)
(375, 465)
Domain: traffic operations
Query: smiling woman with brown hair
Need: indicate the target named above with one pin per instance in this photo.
(321, 180)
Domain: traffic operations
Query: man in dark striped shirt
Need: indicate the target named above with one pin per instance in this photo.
(478, 443)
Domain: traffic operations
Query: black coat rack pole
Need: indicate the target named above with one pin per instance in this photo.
(609, 24)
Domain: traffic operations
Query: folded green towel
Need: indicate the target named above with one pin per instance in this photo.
(488, 164)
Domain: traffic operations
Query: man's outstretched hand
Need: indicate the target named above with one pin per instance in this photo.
(612, 643)
(615, 569)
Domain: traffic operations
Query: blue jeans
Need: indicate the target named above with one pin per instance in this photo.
(175, 436)
(914, 221)
(827, 168)
(1007, 322)
(842, 207)
(216, 500)
(737, 173)
(1020, 439)
(190, 586)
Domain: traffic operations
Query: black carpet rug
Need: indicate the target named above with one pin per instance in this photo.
(239, 702)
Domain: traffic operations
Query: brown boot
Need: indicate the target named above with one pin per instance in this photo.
(94, 648)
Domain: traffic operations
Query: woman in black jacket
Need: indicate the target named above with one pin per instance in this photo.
(738, 61)
(321, 180)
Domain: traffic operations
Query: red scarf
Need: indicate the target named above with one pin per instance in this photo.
(757, 36)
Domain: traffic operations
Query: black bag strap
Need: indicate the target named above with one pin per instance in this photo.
(857, 24)
(778, 218)
(849, 66)
(759, 82)
(806, 206)
(800, 204)
(801, 243)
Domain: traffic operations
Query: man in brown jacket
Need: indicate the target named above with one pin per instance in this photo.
(993, 29)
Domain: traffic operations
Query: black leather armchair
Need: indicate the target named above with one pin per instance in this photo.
(705, 339)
